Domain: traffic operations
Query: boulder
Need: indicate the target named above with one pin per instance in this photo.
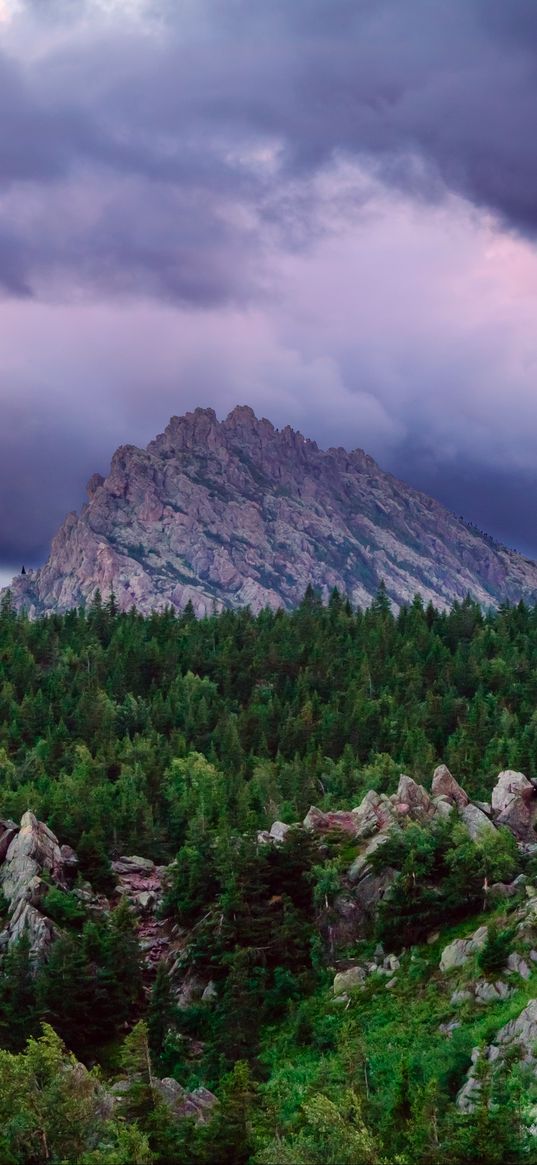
(520, 1032)
(514, 804)
(279, 831)
(443, 806)
(445, 785)
(518, 965)
(460, 997)
(486, 992)
(476, 822)
(197, 1104)
(69, 863)
(413, 800)
(210, 993)
(504, 889)
(133, 865)
(347, 980)
(457, 953)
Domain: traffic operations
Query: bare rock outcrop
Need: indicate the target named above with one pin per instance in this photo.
(457, 953)
(514, 803)
(142, 883)
(235, 512)
(520, 1036)
(476, 822)
(33, 851)
(445, 785)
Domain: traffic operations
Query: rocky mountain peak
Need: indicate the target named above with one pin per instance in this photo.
(235, 512)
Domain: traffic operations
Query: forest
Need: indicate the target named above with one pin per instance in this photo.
(178, 739)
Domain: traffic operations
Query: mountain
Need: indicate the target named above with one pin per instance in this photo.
(236, 512)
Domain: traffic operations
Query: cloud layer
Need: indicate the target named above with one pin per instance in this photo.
(326, 208)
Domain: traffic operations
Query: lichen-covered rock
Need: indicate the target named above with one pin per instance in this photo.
(361, 864)
(457, 953)
(346, 981)
(518, 965)
(8, 830)
(33, 850)
(27, 921)
(460, 997)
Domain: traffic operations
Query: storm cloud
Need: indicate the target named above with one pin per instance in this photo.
(326, 208)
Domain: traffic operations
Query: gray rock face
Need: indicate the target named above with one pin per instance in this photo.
(485, 992)
(141, 882)
(519, 1034)
(457, 953)
(33, 851)
(476, 821)
(518, 965)
(237, 512)
(514, 803)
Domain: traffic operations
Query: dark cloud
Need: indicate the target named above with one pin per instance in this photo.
(493, 499)
(219, 105)
(44, 462)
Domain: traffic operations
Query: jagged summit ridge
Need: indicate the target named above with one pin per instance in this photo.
(235, 512)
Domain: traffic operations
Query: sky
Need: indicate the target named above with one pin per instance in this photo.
(326, 209)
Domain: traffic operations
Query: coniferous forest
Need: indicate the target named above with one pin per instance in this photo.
(181, 741)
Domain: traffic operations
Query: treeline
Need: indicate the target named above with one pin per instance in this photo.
(100, 712)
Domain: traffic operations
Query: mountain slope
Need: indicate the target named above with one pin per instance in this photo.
(237, 512)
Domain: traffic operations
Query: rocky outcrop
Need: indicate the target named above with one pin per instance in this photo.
(223, 514)
(519, 1036)
(198, 1104)
(514, 802)
(444, 785)
(476, 822)
(372, 822)
(142, 883)
(33, 851)
(457, 953)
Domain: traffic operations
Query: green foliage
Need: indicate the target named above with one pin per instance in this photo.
(129, 733)
(442, 875)
(493, 956)
(180, 738)
(90, 985)
(63, 907)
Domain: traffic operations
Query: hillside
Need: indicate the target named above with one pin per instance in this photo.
(260, 919)
(224, 514)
